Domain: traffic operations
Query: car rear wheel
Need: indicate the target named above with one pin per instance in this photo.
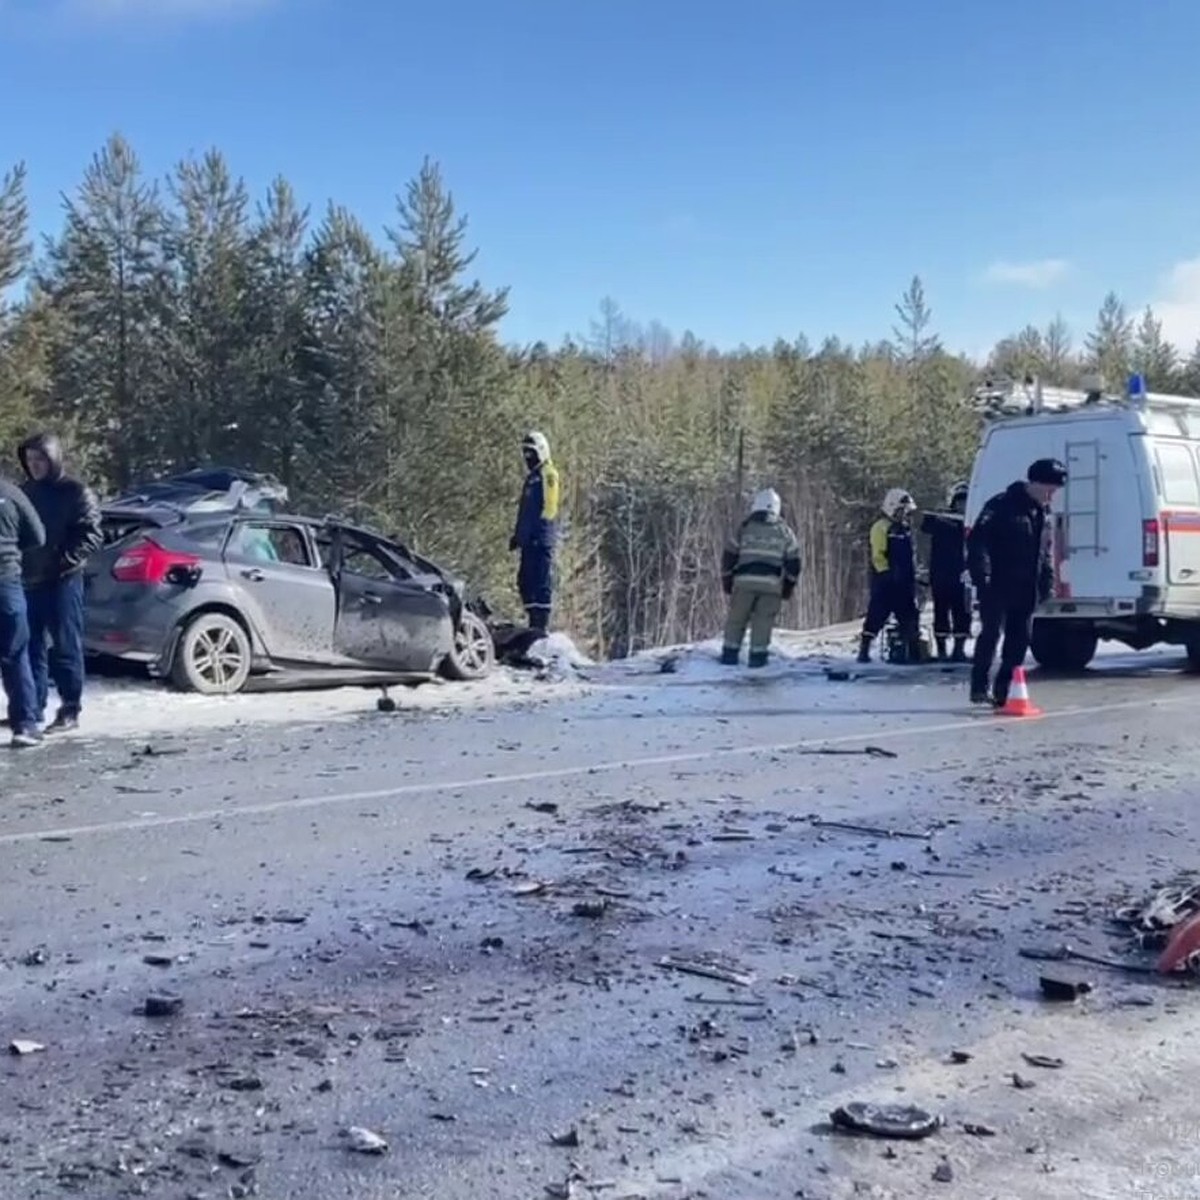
(474, 653)
(1063, 645)
(213, 656)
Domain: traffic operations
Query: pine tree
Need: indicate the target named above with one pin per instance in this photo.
(1153, 356)
(14, 229)
(209, 251)
(15, 384)
(1189, 374)
(429, 241)
(276, 414)
(915, 340)
(106, 276)
(1109, 347)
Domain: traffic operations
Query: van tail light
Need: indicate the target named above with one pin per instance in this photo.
(1150, 543)
(148, 562)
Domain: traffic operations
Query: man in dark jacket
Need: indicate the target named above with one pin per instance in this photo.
(1009, 560)
(53, 576)
(21, 530)
(947, 571)
(536, 530)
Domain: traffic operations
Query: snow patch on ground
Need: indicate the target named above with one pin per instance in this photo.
(133, 707)
(793, 652)
(137, 707)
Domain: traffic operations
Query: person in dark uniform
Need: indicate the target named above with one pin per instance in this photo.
(536, 532)
(893, 573)
(947, 574)
(1008, 557)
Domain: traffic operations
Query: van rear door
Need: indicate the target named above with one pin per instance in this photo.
(1179, 510)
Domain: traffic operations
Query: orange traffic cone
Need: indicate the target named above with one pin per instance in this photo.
(1018, 703)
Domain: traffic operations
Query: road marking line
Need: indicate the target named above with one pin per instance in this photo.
(603, 768)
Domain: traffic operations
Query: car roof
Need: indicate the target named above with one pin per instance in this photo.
(166, 513)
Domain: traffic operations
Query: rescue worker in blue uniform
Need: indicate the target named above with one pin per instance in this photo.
(536, 533)
(1008, 554)
(948, 574)
(893, 573)
(759, 571)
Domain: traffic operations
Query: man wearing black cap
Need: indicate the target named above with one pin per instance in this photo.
(1009, 561)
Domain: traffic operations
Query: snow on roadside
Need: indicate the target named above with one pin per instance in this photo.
(135, 707)
(126, 707)
(140, 707)
(792, 651)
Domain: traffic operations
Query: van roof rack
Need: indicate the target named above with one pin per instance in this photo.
(1004, 396)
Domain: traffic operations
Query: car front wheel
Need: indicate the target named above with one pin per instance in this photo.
(474, 653)
(213, 656)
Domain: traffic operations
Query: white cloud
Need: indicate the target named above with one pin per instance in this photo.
(1041, 273)
(1179, 306)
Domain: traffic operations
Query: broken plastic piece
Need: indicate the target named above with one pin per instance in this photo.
(886, 1120)
(1063, 989)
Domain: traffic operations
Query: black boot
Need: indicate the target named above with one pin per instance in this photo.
(758, 658)
(864, 648)
(729, 657)
(941, 648)
(538, 618)
(960, 651)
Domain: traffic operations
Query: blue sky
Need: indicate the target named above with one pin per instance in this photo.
(746, 171)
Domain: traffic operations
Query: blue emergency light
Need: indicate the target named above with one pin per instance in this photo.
(1137, 386)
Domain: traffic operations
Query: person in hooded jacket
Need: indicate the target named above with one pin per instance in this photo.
(21, 530)
(1008, 556)
(536, 532)
(759, 571)
(53, 576)
(947, 574)
(893, 572)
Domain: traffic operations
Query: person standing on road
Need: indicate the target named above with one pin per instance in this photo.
(21, 530)
(1009, 561)
(893, 573)
(536, 533)
(948, 574)
(53, 575)
(759, 571)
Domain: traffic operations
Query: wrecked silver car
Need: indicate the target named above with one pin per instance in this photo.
(204, 580)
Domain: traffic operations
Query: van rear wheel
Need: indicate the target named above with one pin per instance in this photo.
(1063, 645)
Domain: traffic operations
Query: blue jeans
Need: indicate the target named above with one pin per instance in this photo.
(14, 657)
(56, 642)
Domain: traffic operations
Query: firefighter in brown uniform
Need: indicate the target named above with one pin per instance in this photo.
(759, 571)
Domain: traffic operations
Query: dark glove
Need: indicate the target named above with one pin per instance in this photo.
(789, 590)
(727, 584)
(512, 543)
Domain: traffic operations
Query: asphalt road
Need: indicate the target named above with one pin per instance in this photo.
(451, 930)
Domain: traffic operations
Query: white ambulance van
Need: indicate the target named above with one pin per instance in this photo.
(1125, 531)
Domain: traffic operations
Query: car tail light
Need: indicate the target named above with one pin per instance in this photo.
(148, 562)
(1150, 542)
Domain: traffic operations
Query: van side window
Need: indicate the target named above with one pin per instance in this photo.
(1178, 470)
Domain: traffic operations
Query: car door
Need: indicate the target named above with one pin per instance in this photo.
(385, 619)
(1180, 512)
(285, 591)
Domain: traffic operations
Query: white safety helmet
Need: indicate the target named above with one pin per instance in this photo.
(767, 501)
(958, 493)
(538, 443)
(897, 502)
